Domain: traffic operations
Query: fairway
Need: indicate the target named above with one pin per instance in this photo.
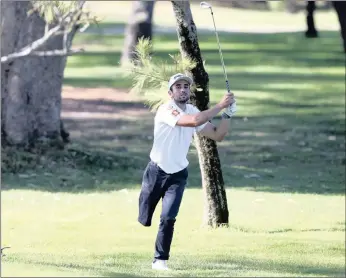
(96, 234)
(74, 213)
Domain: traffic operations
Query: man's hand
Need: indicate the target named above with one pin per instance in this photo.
(230, 110)
(227, 100)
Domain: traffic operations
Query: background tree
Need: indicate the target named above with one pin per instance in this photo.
(311, 31)
(36, 38)
(340, 8)
(139, 25)
(216, 210)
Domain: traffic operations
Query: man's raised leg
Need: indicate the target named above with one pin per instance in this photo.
(150, 194)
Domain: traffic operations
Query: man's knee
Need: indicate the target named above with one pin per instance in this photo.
(167, 217)
(145, 223)
(167, 221)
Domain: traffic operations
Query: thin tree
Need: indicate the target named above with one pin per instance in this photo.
(216, 209)
(149, 79)
(139, 25)
(340, 8)
(311, 31)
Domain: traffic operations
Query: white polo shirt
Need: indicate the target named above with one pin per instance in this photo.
(172, 142)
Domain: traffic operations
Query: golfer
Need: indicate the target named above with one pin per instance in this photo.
(166, 173)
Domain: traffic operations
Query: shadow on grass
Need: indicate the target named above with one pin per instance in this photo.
(255, 265)
(74, 267)
(211, 267)
(249, 57)
(105, 31)
(285, 49)
(240, 80)
(263, 153)
(293, 146)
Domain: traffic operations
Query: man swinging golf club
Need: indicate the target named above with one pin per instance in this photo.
(166, 173)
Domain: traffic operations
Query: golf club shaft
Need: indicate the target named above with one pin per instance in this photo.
(221, 57)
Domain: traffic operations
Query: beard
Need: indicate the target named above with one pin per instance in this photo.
(182, 99)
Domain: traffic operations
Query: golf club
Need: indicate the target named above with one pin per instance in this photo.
(205, 5)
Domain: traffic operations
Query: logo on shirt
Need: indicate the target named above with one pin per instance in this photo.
(175, 112)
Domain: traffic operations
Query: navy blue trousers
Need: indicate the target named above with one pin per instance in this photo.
(158, 184)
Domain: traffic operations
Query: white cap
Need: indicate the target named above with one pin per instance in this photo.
(177, 77)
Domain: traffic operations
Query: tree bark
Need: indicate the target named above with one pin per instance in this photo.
(31, 86)
(340, 8)
(139, 25)
(216, 210)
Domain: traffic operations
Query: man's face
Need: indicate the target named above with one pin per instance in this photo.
(180, 91)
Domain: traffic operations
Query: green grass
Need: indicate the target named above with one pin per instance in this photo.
(73, 213)
(96, 234)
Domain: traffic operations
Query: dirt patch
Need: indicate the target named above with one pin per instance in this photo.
(96, 115)
(98, 93)
(99, 103)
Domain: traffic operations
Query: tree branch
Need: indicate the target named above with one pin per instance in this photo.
(66, 23)
(56, 52)
(31, 47)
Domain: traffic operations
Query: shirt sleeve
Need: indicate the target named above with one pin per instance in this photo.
(195, 111)
(168, 114)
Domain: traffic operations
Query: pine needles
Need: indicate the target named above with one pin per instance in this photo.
(150, 77)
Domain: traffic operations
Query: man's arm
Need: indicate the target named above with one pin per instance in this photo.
(216, 133)
(199, 118)
(202, 117)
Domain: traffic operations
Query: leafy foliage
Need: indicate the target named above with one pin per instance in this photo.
(150, 76)
(51, 9)
(56, 11)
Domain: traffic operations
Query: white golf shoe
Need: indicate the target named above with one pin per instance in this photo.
(159, 265)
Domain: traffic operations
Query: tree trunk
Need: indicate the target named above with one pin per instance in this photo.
(292, 6)
(311, 31)
(31, 86)
(243, 4)
(216, 211)
(340, 8)
(139, 25)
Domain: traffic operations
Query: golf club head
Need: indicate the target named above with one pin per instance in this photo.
(205, 5)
